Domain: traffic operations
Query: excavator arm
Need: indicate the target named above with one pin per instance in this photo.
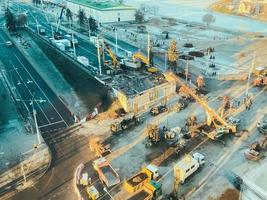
(211, 114)
(115, 62)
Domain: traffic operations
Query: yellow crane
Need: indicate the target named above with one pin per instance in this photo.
(212, 116)
(144, 59)
(115, 62)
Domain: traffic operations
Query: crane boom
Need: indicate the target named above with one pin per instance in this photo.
(115, 62)
(211, 114)
(59, 18)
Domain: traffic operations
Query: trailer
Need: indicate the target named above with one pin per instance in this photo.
(106, 173)
(125, 124)
(187, 166)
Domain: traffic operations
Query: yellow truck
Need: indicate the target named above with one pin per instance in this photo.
(139, 180)
(151, 191)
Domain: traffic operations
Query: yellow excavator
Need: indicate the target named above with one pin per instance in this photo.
(220, 124)
(115, 62)
(144, 59)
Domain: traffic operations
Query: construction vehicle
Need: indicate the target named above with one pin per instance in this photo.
(57, 34)
(262, 126)
(115, 62)
(125, 124)
(98, 147)
(106, 173)
(139, 56)
(153, 134)
(157, 110)
(182, 103)
(187, 166)
(138, 181)
(260, 71)
(260, 81)
(256, 150)
(212, 117)
(92, 192)
(151, 191)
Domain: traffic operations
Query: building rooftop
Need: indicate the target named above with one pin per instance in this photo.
(132, 83)
(102, 5)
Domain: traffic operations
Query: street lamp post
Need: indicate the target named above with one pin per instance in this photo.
(34, 117)
(106, 190)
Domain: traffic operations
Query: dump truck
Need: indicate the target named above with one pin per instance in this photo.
(157, 110)
(106, 173)
(151, 191)
(139, 180)
(125, 124)
(187, 166)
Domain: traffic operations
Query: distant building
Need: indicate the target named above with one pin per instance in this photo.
(254, 185)
(103, 11)
(249, 7)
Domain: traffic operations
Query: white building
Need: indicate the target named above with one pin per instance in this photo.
(103, 11)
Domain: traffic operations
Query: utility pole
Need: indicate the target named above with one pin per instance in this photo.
(250, 71)
(37, 26)
(98, 56)
(73, 44)
(36, 125)
(52, 32)
(166, 59)
(34, 117)
(148, 48)
(116, 36)
(22, 170)
(186, 72)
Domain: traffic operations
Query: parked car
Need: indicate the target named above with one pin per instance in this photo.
(8, 43)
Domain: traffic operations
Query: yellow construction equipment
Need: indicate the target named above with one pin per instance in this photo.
(172, 52)
(200, 82)
(212, 116)
(115, 62)
(144, 59)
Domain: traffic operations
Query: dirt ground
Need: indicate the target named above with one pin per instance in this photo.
(228, 194)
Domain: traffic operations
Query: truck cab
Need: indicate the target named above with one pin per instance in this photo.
(199, 157)
(154, 170)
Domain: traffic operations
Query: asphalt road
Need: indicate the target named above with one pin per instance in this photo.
(52, 114)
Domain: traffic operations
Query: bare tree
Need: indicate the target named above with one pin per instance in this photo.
(140, 15)
(69, 15)
(81, 17)
(208, 19)
(21, 20)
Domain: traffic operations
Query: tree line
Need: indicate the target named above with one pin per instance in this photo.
(14, 21)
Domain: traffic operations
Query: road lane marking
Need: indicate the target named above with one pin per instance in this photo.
(42, 91)
(19, 76)
(51, 124)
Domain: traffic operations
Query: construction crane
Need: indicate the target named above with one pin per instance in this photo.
(212, 116)
(57, 34)
(115, 62)
(145, 60)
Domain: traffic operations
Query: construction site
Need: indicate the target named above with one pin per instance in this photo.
(189, 112)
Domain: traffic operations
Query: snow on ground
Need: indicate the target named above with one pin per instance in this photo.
(193, 11)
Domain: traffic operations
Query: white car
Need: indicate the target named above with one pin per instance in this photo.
(8, 43)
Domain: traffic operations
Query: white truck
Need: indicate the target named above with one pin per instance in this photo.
(93, 39)
(187, 166)
(62, 44)
(72, 40)
(83, 60)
